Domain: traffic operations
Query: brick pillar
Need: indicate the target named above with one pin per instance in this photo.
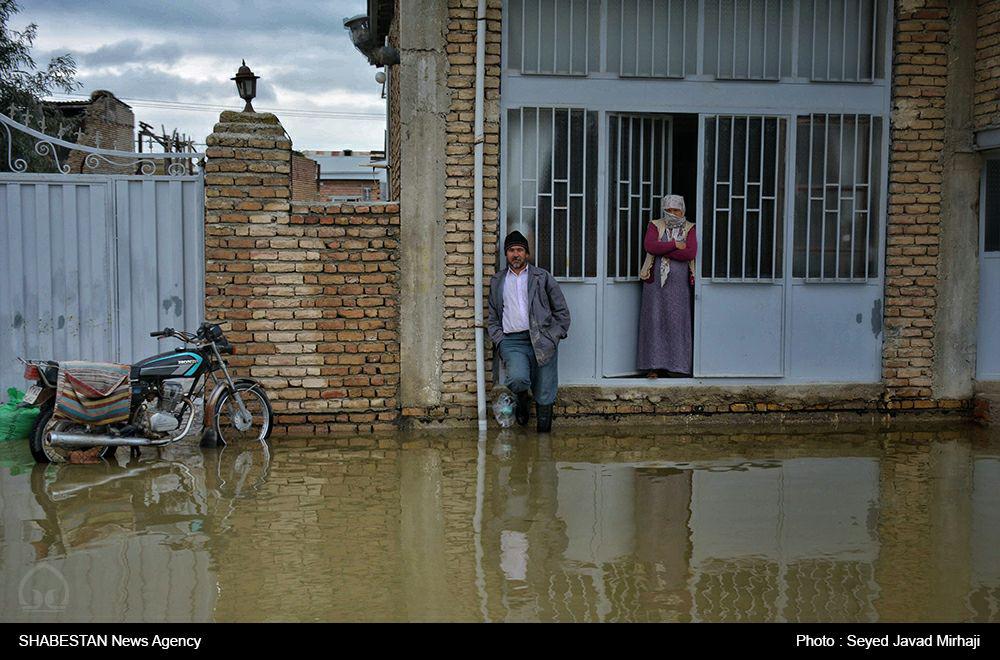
(914, 209)
(247, 191)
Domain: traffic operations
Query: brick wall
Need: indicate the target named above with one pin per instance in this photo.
(305, 177)
(109, 124)
(988, 65)
(458, 346)
(308, 293)
(915, 175)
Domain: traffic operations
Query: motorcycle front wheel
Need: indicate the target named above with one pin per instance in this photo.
(226, 417)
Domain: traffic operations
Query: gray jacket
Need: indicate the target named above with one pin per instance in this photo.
(548, 313)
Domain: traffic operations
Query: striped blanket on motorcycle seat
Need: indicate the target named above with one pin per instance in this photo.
(94, 393)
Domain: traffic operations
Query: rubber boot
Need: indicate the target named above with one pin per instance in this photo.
(544, 417)
(523, 409)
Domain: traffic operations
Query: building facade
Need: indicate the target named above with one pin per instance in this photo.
(102, 121)
(350, 176)
(837, 156)
(834, 156)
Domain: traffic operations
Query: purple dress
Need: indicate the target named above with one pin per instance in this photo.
(665, 342)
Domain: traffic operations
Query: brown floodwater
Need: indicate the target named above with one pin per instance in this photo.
(583, 525)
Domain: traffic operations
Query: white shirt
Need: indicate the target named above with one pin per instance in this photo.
(515, 301)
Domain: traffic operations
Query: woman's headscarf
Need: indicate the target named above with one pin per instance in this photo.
(674, 224)
(671, 228)
(672, 202)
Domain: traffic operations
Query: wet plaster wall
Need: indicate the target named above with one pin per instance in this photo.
(955, 324)
(423, 98)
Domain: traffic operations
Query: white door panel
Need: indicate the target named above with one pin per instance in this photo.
(739, 306)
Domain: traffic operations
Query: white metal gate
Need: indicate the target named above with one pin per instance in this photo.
(799, 260)
(91, 263)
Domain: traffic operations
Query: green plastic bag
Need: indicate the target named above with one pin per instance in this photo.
(16, 421)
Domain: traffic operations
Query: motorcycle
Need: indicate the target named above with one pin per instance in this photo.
(161, 410)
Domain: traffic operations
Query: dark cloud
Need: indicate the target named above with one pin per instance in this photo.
(322, 71)
(144, 49)
(238, 18)
(129, 51)
(143, 82)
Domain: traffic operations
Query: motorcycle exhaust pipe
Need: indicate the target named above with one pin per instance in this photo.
(70, 440)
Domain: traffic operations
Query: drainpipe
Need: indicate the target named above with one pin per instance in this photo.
(478, 213)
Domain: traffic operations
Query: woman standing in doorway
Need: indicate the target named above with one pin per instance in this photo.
(671, 244)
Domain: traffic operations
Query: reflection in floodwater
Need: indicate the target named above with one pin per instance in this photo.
(578, 526)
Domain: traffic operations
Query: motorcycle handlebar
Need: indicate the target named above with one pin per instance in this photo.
(166, 332)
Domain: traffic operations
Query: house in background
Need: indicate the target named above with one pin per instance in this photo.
(349, 176)
(102, 121)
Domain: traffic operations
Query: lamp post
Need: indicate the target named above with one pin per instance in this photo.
(246, 85)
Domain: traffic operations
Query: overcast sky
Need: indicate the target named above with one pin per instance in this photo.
(187, 50)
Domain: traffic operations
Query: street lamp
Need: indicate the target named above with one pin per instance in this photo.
(246, 84)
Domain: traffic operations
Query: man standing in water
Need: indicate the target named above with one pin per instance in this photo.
(528, 316)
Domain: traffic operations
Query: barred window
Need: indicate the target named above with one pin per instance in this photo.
(639, 162)
(838, 40)
(744, 198)
(653, 38)
(560, 37)
(749, 39)
(991, 233)
(551, 183)
(837, 197)
(835, 40)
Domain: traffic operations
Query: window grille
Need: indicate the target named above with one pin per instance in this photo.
(744, 198)
(820, 40)
(551, 184)
(653, 38)
(749, 39)
(837, 197)
(839, 40)
(639, 166)
(991, 230)
(556, 37)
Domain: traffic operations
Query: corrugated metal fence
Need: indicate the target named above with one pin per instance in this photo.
(92, 264)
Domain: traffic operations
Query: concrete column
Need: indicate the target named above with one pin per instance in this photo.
(424, 100)
(954, 367)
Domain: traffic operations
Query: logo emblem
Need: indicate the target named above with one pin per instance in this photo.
(43, 589)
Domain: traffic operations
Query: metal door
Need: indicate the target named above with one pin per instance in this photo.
(159, 224)
(988, 349)
(550, 184)
(640, 169)
(740, 288)
(57, 278)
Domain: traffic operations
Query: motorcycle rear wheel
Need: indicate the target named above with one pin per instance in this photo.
(43, 452)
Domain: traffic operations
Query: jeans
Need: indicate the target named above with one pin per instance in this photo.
(523, 370)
